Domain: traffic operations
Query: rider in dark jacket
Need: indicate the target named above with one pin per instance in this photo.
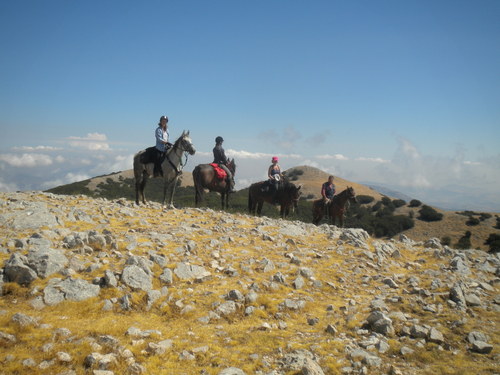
(221, 159)
(328, 192)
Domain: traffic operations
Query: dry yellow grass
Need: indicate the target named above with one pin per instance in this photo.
(232, 340)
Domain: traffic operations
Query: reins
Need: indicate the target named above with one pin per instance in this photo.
(178, 169)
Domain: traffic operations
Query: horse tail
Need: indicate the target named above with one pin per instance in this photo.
(250, 201)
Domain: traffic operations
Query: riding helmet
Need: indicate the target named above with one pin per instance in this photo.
(163, 118)
(219, 139)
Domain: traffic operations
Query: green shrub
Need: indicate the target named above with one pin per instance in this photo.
(427, 213)
(483, 216)
(464, 241)
(398, 203)
(415, 203)
(364, 199)
(472, 221)
(497, 225)
(493, 242)
(446, 241)
(386, 201)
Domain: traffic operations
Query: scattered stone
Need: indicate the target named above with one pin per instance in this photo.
(16, 270)
(232, 371)
(136, 278)
(186, 271)
(46, 262)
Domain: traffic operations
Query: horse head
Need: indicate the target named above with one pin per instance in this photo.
(185, 143)
(295, 196)
(351, 194)
(231, 165)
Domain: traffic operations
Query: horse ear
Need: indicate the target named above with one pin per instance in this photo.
(299, 187)
(187, 133)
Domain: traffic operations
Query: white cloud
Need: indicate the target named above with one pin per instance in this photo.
(66, 179)
(242, 154)
(375, 160)
(332, 157)
(36, 148)
(26, 160)
(93, 142)
(467, 162)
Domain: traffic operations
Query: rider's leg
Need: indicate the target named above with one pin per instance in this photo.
(229, 178)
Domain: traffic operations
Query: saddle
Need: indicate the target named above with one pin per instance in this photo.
(219, 172)
(149, 155)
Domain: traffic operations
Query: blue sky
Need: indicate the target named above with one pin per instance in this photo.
(401, 93)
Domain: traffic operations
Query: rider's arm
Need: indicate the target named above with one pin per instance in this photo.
(323, 194)
(269, 172)
(159, 136)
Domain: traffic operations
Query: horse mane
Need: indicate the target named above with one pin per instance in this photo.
(177, 142)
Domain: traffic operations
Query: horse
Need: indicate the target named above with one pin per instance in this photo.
(287, 196)
(336, 208)
(171, 166)
(204, 177)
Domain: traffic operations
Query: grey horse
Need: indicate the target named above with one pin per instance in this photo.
(171, 166)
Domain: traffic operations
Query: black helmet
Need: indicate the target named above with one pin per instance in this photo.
(219, 139)
(163, 118)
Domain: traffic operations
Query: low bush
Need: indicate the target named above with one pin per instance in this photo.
(364, 199)
(427, 213)
(493, 242)
(398, 203)
(472, 221)
(446, 241)
(464, 241)
(415, 203)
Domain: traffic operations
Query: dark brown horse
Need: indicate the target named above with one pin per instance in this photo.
(287, 196)
(204, 177)
(336, 208)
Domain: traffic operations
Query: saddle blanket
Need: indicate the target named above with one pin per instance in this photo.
(219, 172)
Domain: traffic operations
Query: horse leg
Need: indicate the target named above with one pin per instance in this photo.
(143, 186)
(222, 200)
(259, 207)
(137, 187)
(172, 191)
(287, 211)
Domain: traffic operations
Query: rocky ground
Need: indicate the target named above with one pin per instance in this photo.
(105, 287)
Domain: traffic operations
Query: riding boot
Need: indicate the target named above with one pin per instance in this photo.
(158, 172)
(230, 182)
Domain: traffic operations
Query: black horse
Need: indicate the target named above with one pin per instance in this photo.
(287, 195)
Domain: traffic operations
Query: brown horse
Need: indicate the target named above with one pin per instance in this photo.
(204, 177)
(336, 208)
(287, 196)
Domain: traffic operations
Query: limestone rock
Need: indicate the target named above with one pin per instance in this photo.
(136, 278)
(16, 270)
(46, 262)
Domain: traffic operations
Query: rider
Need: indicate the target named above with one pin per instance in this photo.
(274, 175)
(328, 191)
(162, 145)
(221, 159)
